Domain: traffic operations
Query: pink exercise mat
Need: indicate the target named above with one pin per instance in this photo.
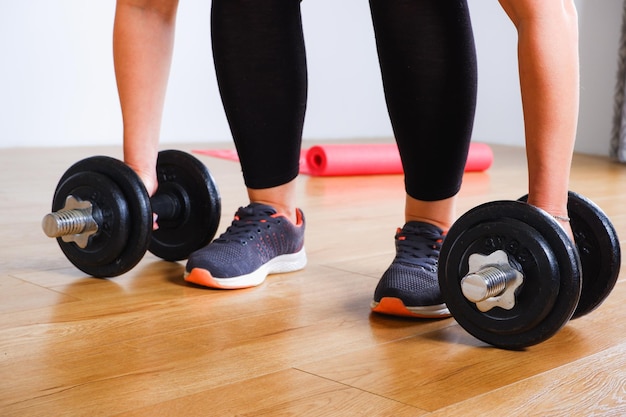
(360, 159)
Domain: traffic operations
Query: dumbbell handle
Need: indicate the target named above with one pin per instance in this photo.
(166, 205)
(489, 281)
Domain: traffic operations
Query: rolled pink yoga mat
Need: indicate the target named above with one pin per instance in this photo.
(362, 159)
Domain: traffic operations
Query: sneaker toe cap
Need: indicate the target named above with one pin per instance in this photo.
(220, 260)
(413, 285)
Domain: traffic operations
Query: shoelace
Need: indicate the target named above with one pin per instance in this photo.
(419, 245)
(249, 221)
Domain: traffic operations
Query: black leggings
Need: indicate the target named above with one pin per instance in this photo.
(428, 64)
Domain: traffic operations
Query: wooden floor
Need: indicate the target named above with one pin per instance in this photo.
(302, 344)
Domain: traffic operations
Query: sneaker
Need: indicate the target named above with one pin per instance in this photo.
(259, 242)
(410, 286)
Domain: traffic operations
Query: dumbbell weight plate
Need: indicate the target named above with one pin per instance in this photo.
(598, 248)
(599, 251)
(187, 179)
(536, 243)
(121, 205)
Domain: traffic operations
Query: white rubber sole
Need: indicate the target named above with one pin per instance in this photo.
(280, 264)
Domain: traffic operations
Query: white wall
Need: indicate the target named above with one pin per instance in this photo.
(600, 23)
(499, 117)
(57, 84)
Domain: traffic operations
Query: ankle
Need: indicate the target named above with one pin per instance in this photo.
(289, 212)
(282, 198)
(445, 226)
(439, 213)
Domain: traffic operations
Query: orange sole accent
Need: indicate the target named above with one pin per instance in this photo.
(395, 307)
(203, 277)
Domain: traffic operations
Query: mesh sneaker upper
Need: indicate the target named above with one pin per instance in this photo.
(419, 244)
(256, 235)
(412, 276)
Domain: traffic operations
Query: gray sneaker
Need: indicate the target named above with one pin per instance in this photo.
(259, 242)
(410, 286)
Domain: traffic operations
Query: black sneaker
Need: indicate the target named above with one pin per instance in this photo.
(259, 242)
(410, 286)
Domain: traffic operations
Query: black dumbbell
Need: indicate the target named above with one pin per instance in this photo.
(102, 215)
(511, 276)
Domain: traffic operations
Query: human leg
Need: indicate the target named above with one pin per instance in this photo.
(259, 55)
(428, 64)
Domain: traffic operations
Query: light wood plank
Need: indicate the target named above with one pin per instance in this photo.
(304, 343)
(593, 386)
(447, 366)
(286, 393)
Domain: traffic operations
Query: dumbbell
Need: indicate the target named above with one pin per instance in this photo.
(102, 215)
(511, 276)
